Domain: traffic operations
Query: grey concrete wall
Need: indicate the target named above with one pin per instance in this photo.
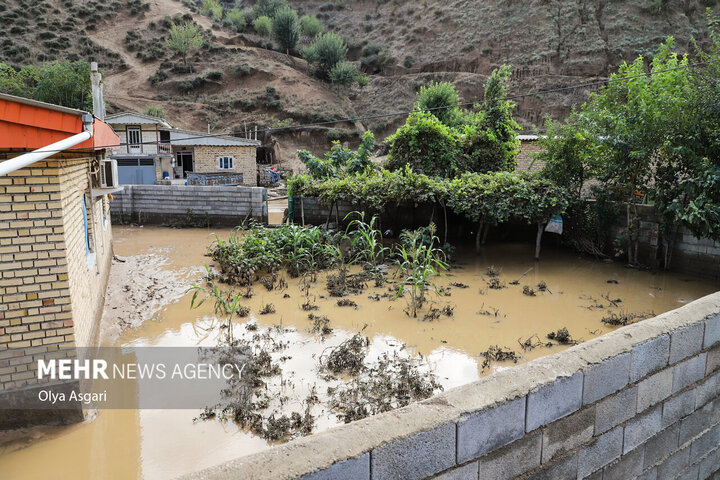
(640, 402)
(168, 204)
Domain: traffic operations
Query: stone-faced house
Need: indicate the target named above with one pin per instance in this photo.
(152, 151)
(55, 242)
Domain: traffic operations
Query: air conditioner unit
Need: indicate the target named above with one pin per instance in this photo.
(108, 174)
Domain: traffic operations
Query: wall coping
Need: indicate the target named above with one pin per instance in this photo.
(319, 451)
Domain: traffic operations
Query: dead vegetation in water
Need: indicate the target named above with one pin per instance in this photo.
(498, 354)
(528, 291)
(459, 285)
(346, 302)
(562, 336)
(435, 313)
(267, 309)
(622, 317)
(348, 357)
(533, 342)
(341, 283)
(392, 383)
(320, 324)
(489, 311)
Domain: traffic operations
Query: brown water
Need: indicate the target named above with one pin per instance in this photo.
(161, 444)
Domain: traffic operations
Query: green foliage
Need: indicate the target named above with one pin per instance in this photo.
(427, 145)
(212, 9)
(286, 29)
(340, 161)
(363, 80)
(257, 251)
(419, 263)
(268, 8)
(440, 99)
(66, 83)
(366, 247)
(497, 114)
(310, 26)
(184, 39)
(263, 25)
(235, 20)
(326, 51)
(155, 111)
(494, 196)
(343, 73)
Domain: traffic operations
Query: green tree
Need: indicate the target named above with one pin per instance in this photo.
(263, 25)
(440, 99)
(427, 145)
(235, 19)
(65, 83)
(340, 161)
(155, 111)
(343, 73)
(212, 9)
(286, 29)
(310, 26)
(184, 40)
(326, 51)
(18, 82)
(497, 115)
(268, 8)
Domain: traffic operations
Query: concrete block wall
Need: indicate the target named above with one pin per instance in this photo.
(244, 161)
(640, 402)
(164, 204)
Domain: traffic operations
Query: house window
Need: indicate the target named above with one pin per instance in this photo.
(134, 139)
(225, 163)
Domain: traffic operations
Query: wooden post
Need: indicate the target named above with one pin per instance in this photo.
(302, 211)
(538, 240)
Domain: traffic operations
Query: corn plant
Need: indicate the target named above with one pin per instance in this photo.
(419, 263)
(226, 303)
(366, 245)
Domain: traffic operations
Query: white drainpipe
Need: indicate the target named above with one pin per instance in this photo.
(26, 159)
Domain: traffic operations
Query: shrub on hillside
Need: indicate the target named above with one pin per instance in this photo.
(235, 20)
(310, 26)
(268, 8)
(263, 25)
(343, 73)
(441, 99)
(286, 29)
(326, 51)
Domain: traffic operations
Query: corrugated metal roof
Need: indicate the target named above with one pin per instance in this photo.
(186, 137)
(527, 138)
(136, 119)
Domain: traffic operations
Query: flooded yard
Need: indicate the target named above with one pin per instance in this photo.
(499, 303)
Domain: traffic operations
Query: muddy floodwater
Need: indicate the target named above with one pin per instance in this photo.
(147, 305)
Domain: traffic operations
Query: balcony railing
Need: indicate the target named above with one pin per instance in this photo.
(164, 147)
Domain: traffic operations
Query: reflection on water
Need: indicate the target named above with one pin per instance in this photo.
(164, 443)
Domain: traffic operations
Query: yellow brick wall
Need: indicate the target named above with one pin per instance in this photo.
(43, 308)
(206, 161)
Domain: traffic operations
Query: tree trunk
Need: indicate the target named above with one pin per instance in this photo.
(446, 222)
(538, 240)
(302, 211)
(485, 234)
(327, 220)
(478, 235)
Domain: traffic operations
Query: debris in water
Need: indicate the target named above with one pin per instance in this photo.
(611, 281)
(495, 283)
(492, 312)
(321, 324)
(308, 305)
(498, 354)
(346, 302)
(562, 336)
(268, 308)
(542, 287)
(528, 291)
(625, 318)
(529, 343)
(251, 327)
(459, 285)
(347, 357)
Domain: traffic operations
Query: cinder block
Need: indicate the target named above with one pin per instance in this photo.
(688, 372)
(615, 409)
(712, 331)
(486, 431)
(606, 377)
(607, 447)
(674, 464)
(648, 475)
(678, 407)
(649, 357)
(661, 445)
(642, 427)
(707, 391)
(563, 469)
(686, 341)
(353, 468)
(568, 433)
(689, 474)
(466, 472)
(654, 389)
(416, 457)
(710, 465)
(708, 442)
(512, 460)
(556, 400)
(692, 425)
(627, 466)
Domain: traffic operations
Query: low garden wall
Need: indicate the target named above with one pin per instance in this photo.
(170, 204)
(640, 402)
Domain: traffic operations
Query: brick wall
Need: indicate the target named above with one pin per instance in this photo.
(51, 300)
(168, 204)
(206, 161)
(640, 402)
(525, 160)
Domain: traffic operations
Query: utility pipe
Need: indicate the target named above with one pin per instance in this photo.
(26, 159)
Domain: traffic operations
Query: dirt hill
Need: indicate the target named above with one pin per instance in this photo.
(238, 81)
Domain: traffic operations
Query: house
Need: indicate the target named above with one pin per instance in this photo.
(152, 152)
(526, 161)
(55, 245)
